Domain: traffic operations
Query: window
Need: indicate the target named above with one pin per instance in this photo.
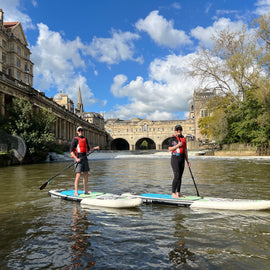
(18, 75)
(144, 127)
(4, 44)
(4, 57)
(18, 50)
(18, 63)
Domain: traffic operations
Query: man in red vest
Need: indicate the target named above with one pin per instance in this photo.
(79, 149)
(178, 148)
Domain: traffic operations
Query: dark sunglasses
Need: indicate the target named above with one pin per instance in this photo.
(80, 130)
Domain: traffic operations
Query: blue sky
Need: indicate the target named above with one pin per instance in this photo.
(130, 57)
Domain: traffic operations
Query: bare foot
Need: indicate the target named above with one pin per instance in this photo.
(174, 195)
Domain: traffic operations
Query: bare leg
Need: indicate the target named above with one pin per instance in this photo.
(76, 183)
(85, 181)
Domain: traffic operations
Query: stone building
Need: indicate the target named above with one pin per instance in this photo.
(198, 109)
(96, 119)
(63, 100)
(131, 134)
(14, 52)
(16, 81)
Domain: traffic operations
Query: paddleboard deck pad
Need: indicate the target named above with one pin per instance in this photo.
(110, 200)
(206, 202)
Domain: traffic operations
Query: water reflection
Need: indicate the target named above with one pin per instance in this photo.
(181, 255)
(82, 252)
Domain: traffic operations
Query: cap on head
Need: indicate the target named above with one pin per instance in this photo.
(178, 127)
(80, 127)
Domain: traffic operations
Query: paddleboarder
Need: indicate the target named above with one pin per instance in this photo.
(178, 149)
(79, 149)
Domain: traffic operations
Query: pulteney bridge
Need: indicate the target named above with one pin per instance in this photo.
(138, 133)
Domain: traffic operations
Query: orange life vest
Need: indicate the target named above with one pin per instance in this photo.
(82, 146)
(181, 149)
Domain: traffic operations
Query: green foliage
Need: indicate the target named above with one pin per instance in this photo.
(144, 145)
(34, 125)
(237, 68)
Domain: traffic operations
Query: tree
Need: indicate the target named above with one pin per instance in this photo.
(237, 69)
(34, 125)
(228, 67)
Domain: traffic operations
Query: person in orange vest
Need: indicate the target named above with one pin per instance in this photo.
(79, 149)
(178, 149)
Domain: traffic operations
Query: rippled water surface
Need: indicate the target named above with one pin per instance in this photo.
(40, 232)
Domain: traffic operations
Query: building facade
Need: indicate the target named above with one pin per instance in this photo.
(16, 81)
(134, 134)
(14, 52)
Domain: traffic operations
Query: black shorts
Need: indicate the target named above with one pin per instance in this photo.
(82, 166)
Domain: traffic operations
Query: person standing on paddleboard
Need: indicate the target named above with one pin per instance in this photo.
(178, 149)
(79, 149)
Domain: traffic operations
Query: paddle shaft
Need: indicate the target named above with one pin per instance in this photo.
(191, 172)
(194, 182)
(48, 182)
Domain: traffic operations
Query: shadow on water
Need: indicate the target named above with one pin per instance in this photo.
(80, 245)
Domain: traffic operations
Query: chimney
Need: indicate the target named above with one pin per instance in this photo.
(1, 17)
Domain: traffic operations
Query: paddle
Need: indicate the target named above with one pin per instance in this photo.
(191, 173)
(48, 182)
(194, 181)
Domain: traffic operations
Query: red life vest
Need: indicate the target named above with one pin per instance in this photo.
(181, 149)
(82, 146)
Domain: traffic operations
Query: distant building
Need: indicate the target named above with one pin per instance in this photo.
(14, 52)
(96, 119)
(63, 100)
(198, 109)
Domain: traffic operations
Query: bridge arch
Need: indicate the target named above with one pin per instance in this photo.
(165, 143)
(145, 144)
(119, 144)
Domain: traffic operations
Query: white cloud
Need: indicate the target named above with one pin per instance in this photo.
(12, 13)
(162, 31)
(204, 35)
(263, 7)
(56, 61)
(119, 47)
(159, 98)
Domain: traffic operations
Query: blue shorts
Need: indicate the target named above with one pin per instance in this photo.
(82, 166)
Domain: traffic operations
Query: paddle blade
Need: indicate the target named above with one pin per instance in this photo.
(43, 186)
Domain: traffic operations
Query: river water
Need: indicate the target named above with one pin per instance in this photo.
(40, 232)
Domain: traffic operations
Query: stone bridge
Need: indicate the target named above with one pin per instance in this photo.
(139, 133)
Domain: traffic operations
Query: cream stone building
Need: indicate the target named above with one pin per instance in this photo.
(139, 133)
(63, 100)
(16, 81)
(14, 52)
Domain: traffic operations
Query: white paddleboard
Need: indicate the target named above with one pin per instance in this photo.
(207, 202)
(126, 200)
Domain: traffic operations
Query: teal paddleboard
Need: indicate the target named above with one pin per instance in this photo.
(206, 202)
